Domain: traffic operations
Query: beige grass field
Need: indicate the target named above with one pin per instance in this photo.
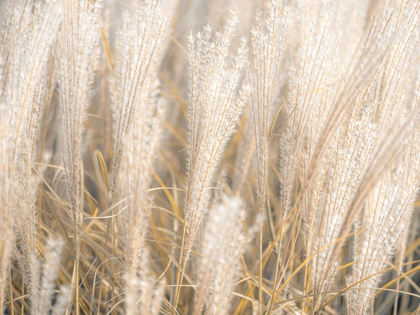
(214, 157)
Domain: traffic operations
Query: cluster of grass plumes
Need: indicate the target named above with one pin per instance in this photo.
(209, 157)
